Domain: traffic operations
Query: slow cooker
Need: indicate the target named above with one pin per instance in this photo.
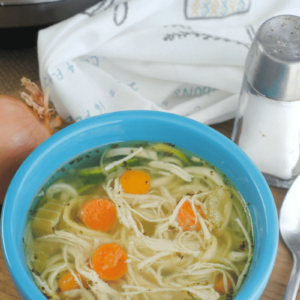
(20, 20)
(27, 13)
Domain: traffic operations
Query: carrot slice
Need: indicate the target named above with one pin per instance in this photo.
(186, 217)
(67, 282)
(135, 182)
(109, 261)
(99, 214)
(219, 285)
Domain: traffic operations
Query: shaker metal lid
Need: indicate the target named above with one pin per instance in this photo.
(273, 63)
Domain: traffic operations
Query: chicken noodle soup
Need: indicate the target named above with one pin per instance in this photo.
(148, 221)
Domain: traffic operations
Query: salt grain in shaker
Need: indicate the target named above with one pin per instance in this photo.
(267, 123)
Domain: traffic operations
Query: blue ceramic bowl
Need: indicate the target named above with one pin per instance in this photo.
(137, 126)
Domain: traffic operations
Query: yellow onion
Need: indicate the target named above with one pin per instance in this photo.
(23, 127)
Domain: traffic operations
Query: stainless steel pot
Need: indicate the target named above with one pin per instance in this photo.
(27, 13)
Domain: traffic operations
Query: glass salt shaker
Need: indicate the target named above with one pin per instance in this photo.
(267, 122)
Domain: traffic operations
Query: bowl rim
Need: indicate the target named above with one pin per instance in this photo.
(17, 272)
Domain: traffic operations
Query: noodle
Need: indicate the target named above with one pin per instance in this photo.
(188, 235)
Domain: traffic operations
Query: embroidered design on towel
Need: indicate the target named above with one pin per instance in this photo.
(209, 9)
(181, 31)
(120, 14)
(103, 5)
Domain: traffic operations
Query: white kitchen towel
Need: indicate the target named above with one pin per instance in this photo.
(179, 56)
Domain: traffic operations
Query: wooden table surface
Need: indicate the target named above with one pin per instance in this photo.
(278, 281)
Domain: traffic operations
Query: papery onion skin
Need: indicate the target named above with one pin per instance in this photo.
(20, 133)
